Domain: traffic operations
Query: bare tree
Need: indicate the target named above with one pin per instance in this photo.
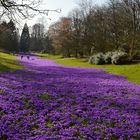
(133, 7)
(37, 37)
(103, 28)
(77, 28)
(61, 35)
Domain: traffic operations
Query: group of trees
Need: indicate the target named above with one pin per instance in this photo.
(9, 37)
(17, 10)
(39, 41)
(35, 40)
(10, 40)
(90, 29)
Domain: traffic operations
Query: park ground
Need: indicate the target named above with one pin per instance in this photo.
(67, 99)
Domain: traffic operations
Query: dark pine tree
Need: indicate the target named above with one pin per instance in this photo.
(25, 40)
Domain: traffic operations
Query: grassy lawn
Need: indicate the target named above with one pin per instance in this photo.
(8, 63)
(131, 72)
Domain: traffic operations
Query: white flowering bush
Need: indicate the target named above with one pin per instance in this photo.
(119, 57)
(108, 57)
(97, 59)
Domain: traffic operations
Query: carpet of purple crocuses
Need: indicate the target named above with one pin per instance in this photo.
(46, 101)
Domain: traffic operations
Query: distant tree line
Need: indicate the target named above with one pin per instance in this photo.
(87, 30)
(90, 29)
(35, 40)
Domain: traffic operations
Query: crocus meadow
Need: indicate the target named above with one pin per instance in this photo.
(46, 101)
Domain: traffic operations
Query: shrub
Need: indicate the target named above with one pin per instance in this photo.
(117, 57)
(120, 57)
(108, 57)
(97, 59)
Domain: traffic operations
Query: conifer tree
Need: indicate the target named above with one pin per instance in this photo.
(25, 39)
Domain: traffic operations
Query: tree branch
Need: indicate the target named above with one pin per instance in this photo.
(24, 8)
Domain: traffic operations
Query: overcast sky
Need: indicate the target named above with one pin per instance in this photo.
(65, 5)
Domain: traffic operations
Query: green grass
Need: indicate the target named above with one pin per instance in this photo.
(48, 56)
(8, 63)
(131, 72)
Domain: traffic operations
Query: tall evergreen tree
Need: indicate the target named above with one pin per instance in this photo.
(25, 39)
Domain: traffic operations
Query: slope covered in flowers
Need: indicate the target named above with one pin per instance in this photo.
(46, 101)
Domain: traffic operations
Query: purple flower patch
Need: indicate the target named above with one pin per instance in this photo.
(46, 101)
